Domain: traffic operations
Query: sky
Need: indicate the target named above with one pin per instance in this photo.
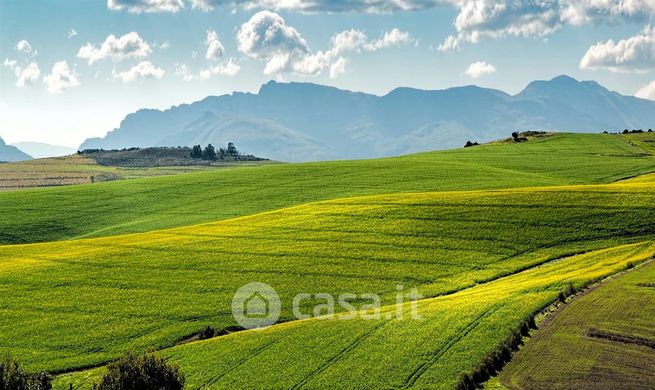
(74, 69)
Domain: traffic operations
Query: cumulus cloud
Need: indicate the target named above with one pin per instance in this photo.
(215, 49)
(130, 45)
(338, 67)
(24, 47)
(635, 54)
(142, 71)
(647, 91)
(226, 68)
(139, 6)
(480, 68)
(25, 75)
(61, 78)
(26, 70)
(267, 37)
(478, 19)
(72, 33)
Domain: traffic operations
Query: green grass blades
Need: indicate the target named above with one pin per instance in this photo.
(142, 205)
(599, 341)
(77, 303)
(455, 333)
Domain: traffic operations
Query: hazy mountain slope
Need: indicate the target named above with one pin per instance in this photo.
(41, 150)
(10, 153)
(303, 121)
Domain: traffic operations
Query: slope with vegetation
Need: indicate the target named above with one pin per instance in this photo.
(154, 203)
(602, 340)
(484, 255)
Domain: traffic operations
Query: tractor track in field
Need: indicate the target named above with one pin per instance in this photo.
(422, 368)
(350, 347)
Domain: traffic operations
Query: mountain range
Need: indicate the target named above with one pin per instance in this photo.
(306, 122)
(10, 153)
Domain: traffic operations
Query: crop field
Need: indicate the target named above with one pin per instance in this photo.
(487, 235)
(603, 340)
(454, 334)
(76, 303)
(141, 205)
(78, 169)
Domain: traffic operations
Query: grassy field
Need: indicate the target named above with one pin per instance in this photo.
(599, 341)
(455, 333)
(454, 224)
(142, 205)
(78, 169)
(75, 303)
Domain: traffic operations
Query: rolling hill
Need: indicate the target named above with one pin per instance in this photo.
(142, 205)
(302, 121)
(489, 235)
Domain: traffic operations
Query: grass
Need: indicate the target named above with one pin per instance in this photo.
(143, 205)
(76, 303)
(77, 169)
(135, 265)
(455, 333)
(570, 351)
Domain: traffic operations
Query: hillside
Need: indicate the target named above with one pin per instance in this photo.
(10, 153)
(303, 122)
(146, 204)
(490, 252)
(603, 340)
(485, 255)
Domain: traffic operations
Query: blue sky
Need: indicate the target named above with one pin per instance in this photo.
(76, 94)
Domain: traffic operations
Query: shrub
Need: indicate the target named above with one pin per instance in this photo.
(140, 372)
(469, 144)
(12, 377)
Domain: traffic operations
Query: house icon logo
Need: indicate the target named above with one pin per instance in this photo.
(256, 305)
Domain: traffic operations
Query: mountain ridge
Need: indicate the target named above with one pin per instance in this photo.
(10, 153)
(301, 121)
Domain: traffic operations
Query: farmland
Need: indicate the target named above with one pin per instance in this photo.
(488, 235)
(600, 340)
(80, 169)
(141, 205)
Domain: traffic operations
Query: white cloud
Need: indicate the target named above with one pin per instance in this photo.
(142, 71)
(165, 45)
(130, 45)
(480, 68)
(24, 47)
(182, 71)
(647, 91)
(215, 49)
(226, 68)
(478, 19)
(338, 67)
(229, 68)
(139, 6)
(61, 78)
(391, 38)
(635, 54)
(72, 33)
(267, 37)
(25, 75)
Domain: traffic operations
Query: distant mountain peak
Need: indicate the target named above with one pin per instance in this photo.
(301, 121)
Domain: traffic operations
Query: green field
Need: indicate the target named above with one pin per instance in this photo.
(79, 169)
(598, 341)
(456, 225)
(142, 205)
